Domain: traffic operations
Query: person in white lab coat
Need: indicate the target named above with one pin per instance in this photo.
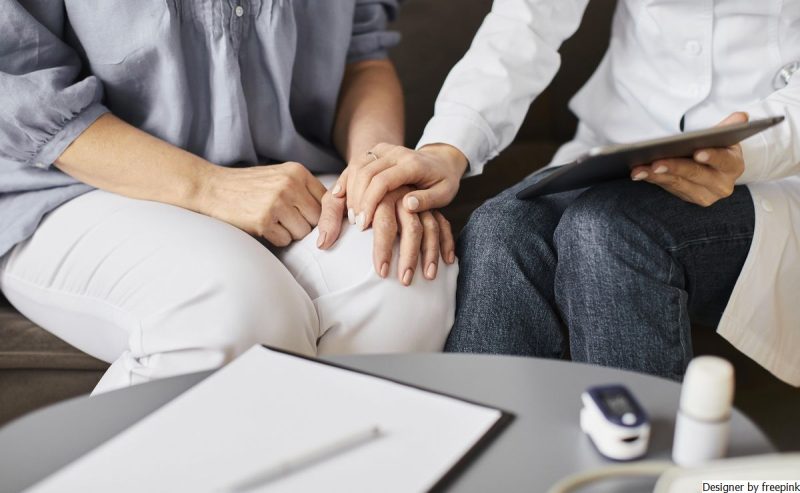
(626, 266)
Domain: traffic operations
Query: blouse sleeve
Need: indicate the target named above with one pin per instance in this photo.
(44, 103)
(371, 40)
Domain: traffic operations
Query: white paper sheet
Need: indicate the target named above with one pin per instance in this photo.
(266, 407)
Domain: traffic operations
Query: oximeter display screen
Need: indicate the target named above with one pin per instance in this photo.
(617, 403)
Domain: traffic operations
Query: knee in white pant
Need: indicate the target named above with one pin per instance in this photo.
(225, 303)
(383, 316)
(216, 318)
(358, 311)
(241, 312)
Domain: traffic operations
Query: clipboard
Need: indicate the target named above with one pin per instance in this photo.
(505, 419)
(614, 162)
(220, 432)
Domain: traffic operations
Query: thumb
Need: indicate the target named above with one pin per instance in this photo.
(435, 197)
(737, 117)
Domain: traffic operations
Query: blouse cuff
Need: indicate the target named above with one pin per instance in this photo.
(373, 47)
(370, 39)
(51, 149)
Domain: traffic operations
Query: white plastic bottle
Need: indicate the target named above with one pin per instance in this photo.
(702, 427)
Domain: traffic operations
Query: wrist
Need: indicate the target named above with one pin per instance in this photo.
(199, 194)
(454, 158)
(364, 142)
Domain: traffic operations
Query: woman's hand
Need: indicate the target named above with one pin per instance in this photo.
(435, 171)
(704, 180)
(428, 234)
(279, 203)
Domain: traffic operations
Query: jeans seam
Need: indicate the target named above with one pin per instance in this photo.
(710, 239)
(682, 312)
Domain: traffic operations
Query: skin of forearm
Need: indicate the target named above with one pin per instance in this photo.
(370, 109)
(115, 156)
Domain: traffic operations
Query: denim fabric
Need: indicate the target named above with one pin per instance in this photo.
(611, 275)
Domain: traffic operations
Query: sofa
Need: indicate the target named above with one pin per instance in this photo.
(37, 368)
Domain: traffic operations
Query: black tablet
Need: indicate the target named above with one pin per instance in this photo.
(615, 161)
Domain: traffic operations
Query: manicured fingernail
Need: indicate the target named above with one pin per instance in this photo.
(360, 219)
(351, 215)
(430, 273)
(640, 176)
(702, 156)
(384, 270)
(412, 203)
(661, 170)
(451, 257)
(407, 276)
(321, 239)
(336, 189)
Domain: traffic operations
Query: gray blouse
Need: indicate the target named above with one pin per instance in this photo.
(234, 81)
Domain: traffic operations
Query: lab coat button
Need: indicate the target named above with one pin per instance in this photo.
(693, 47)
(766, 205)
(40, 165)
(785, 75)
(239, 11)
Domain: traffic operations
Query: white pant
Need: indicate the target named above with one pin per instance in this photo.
(158, 291)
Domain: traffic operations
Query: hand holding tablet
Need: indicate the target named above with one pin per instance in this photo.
(671, 162)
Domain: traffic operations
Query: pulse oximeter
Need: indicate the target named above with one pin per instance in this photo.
(615, 422)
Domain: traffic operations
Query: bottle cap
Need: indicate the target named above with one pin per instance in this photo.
(707, 393)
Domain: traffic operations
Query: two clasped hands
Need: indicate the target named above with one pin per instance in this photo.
(396, 190)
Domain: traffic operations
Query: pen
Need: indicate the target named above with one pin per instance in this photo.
(307, 459)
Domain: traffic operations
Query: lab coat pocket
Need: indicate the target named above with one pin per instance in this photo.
(109, 31)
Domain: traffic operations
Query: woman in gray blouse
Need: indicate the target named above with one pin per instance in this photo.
(162, 167)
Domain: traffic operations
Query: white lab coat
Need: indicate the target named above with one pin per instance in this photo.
(668, 59)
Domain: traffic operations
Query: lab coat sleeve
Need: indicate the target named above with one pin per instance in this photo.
(774, 153)
(513, 58)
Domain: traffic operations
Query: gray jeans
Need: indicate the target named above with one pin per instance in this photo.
(611, 275)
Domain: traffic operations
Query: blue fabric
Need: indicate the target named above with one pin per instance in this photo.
(611, 276)
(258, 88)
